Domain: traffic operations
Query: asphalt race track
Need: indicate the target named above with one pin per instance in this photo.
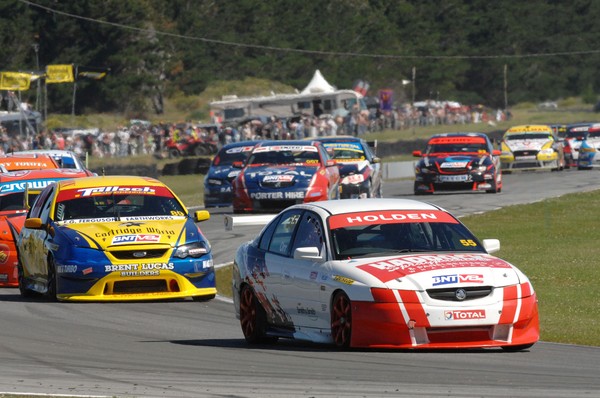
(191, 349)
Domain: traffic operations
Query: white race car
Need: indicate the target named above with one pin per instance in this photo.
(386, 273)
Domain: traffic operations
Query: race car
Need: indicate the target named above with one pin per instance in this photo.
(361, 175)
(218, 191)
(458, 161)
(574, 134)
(113, 238)
(28, 161)
(18, 189)
(380, 273)
(282, 173)
(531, 147)
(589, 148)
(64, 158)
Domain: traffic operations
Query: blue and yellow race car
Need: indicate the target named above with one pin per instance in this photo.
(113, 238)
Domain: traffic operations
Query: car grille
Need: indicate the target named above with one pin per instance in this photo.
(277, 184)
(140, 286)
(138, 254)
(449, 294)
(525, 153)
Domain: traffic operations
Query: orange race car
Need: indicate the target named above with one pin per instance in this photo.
(18, 189)
(33, 161)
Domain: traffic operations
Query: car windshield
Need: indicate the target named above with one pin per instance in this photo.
(346, 151)
(456, 148)
(529, 136)
(226, 157)
(285, 154)
(376, 238)
(108, 206)
(14, 201)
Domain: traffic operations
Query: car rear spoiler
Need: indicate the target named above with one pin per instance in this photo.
(232, 222)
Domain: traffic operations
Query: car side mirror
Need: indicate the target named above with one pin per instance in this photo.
(491, 245)
(417, 154)
(496, 152)
(308, 253)
(201, 215)
(34, 223)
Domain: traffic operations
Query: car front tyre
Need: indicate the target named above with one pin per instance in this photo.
(341, 320)
(25, 293)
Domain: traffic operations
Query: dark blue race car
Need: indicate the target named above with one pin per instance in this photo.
(218, 191)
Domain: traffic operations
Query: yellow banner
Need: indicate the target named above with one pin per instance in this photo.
(14, 81)
(59, 74)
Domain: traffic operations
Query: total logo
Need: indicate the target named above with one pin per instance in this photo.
(460, 315)
(457, 278)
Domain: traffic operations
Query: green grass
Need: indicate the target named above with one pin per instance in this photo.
(554, 243)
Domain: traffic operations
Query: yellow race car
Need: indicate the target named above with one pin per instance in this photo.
(531, 147)
(113, 238)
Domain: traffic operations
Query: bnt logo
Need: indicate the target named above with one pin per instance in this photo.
(457, 278)
(144, 238)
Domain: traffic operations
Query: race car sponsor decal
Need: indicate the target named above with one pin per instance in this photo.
(142, 238)
(66, 269)
(11, 165)
(87, 220)
(456, 278)
(389, 217)
(454, 165)
(147, 234)
(151, 218)
(239, 149)
(87, 271)
(151, 269)
(343, 279)
(277, 195)
(530, 129)
(19, 186)
(352, 146)
(293, 148)
(398, 267)
(531, 144)
(459, 140)
(233, 173)
(67, 194)
(4, 250)
(461, 315)
(278, 178)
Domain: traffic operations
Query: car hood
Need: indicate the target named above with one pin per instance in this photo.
(449, 161)
(527, 144)
(431, 271)
(348, 168)
(278, 176)
(102, 235)
(223, 173)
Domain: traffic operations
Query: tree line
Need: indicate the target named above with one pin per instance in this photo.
(472, 51)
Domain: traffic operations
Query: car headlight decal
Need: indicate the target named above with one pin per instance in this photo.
(194, 250)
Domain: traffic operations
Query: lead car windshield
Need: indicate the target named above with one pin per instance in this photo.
(118, 207)
(388, 236)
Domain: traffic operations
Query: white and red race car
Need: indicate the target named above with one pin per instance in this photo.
(380, 273)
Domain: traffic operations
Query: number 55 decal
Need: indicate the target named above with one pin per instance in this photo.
(468, 242)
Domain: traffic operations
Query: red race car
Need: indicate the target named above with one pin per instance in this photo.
(282, 173)
(14, 186)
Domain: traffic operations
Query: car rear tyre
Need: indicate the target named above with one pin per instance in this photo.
(341, 320)
(253, 319)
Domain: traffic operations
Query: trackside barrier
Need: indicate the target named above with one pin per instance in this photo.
(238, 221)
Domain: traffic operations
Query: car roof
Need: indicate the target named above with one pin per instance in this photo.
(339, 138)
(287, 142)
(238, 144)
(26, 175)
(342, 206)
(102, 181)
